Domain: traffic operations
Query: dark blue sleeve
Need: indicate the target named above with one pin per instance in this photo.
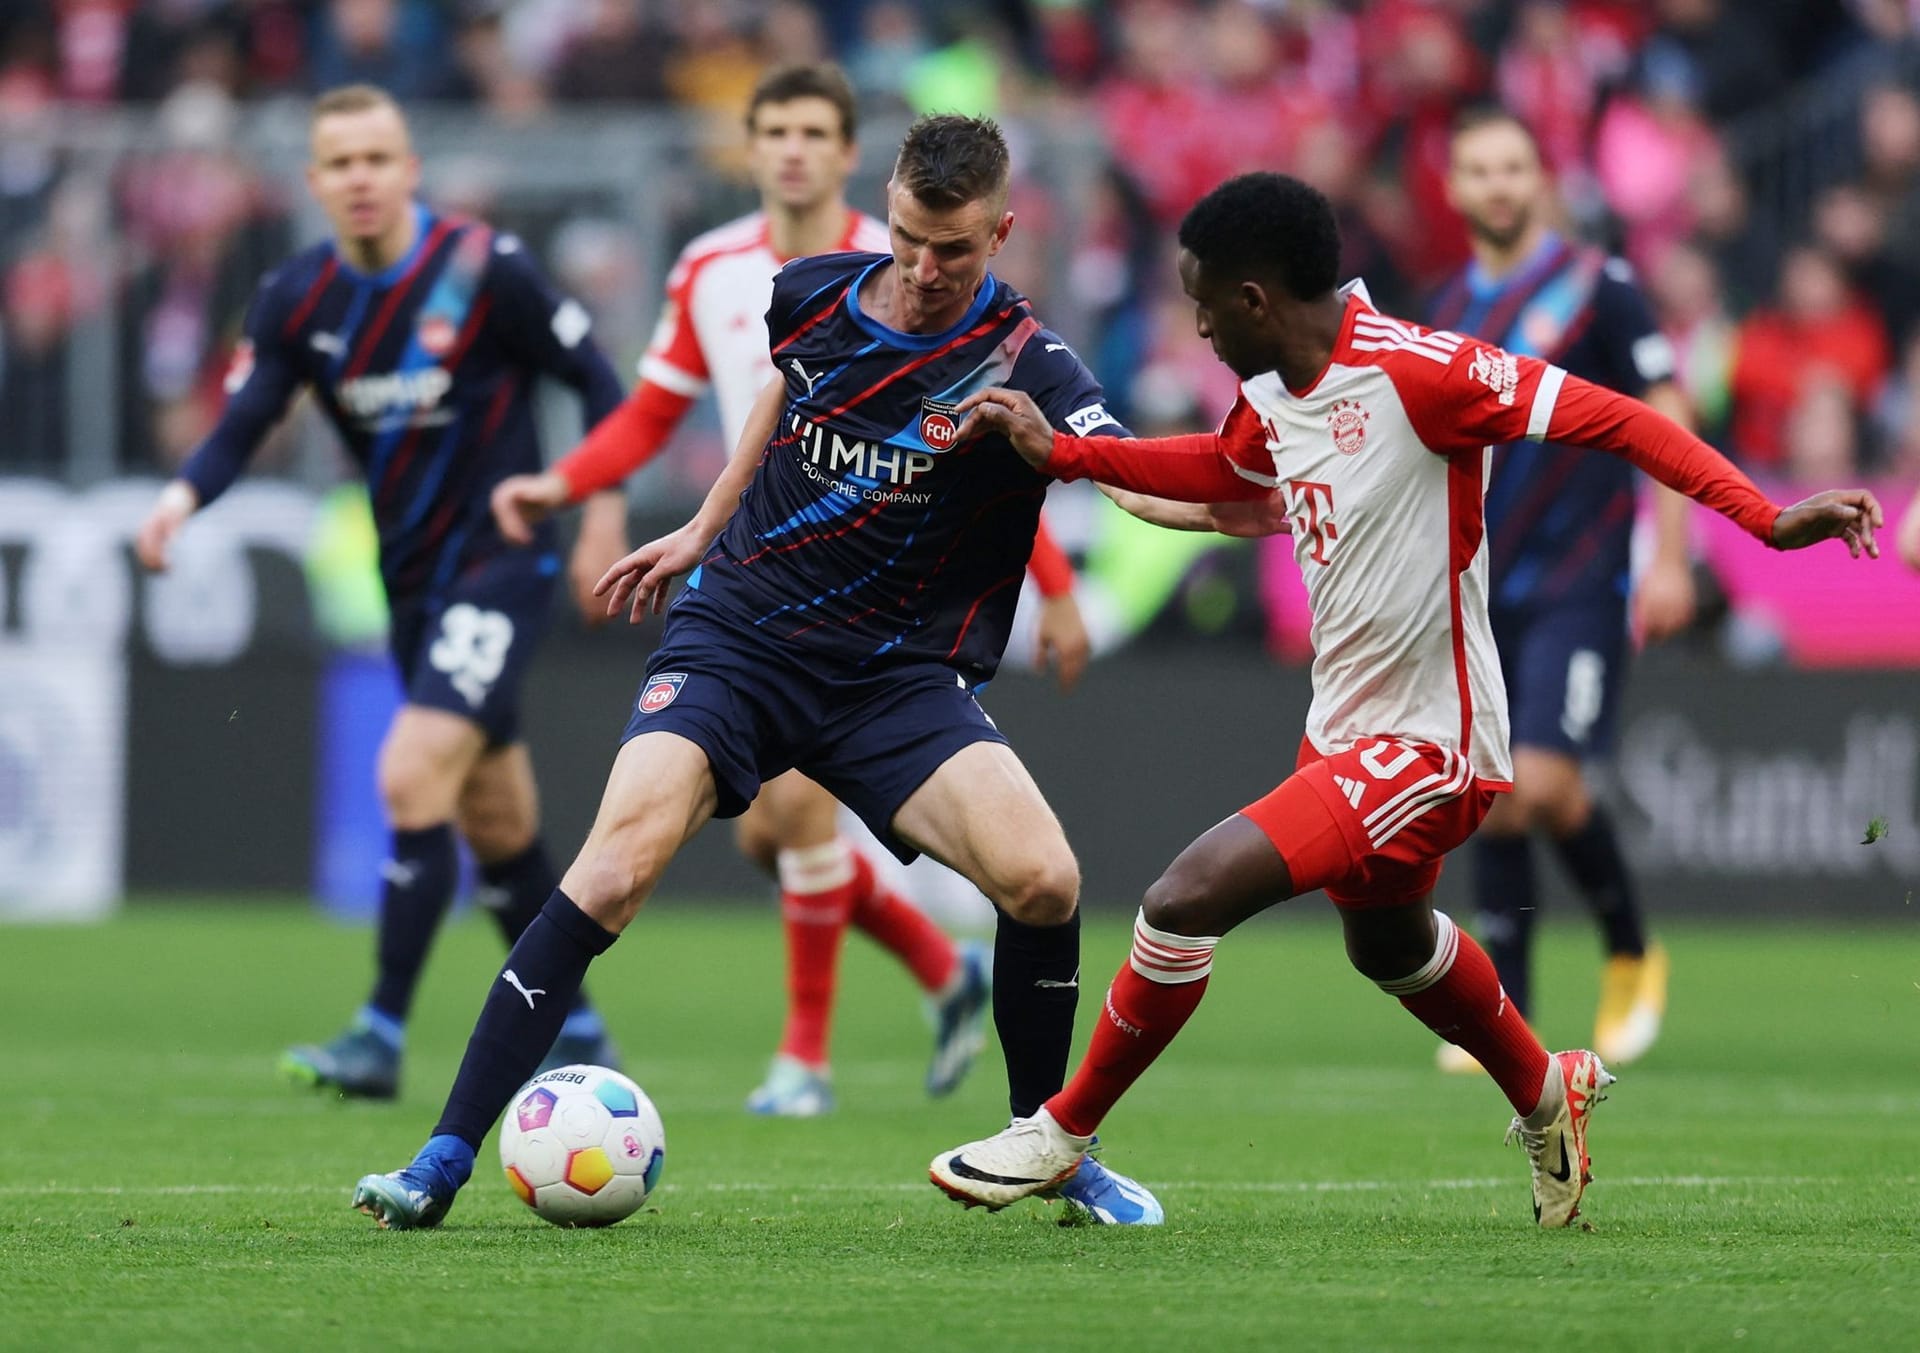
(805, 287)
(260, 382)
(1067, 393)
(547, 330)
(1636, 354)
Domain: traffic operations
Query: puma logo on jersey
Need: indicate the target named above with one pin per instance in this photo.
(1352, 790)
(331, 344)
(801, 372)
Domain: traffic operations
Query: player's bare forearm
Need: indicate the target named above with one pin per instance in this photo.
(1160, 511)
(757, 431)
(177, 501)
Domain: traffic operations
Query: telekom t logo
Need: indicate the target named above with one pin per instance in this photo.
(1311, 505)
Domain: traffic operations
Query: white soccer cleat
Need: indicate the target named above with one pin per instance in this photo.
(1028, 1156)
(792, 1089)
(1558, 1150)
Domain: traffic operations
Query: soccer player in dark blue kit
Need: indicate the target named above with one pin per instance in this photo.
(840, 622)
(1559, 528)
(422, 337)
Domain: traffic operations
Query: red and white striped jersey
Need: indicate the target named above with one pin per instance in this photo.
(713, 330)
(1383, 461)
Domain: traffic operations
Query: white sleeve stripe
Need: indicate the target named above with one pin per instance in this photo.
(671, 377)
(1264, 481)
(1545, 396)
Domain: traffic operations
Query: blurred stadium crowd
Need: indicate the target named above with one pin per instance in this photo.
(1758, 161)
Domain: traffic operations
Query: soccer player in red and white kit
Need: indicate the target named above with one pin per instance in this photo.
(1368, 436)
(801, 151)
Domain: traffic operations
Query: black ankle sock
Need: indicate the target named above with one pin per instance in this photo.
(525, 1007)
(515, 890)
(419, 879)
(1592, 855)
(1036, 971)
(1506, 905)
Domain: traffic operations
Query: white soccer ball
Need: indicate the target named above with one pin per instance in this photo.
(582, 1146)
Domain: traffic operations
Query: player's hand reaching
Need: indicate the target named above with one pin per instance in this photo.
(1664, 600)
(602, 540)
(522, 501)
(1908, 541)
(1838, 514)
(1012, 414)
(1063, 643)
(638, 583)
(1252, 517)
(170, 511)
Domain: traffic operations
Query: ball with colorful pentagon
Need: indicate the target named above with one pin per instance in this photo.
(582, 1146)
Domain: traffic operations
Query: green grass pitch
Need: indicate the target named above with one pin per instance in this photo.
(1325, 1188)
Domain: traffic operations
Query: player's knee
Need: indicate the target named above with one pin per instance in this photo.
(495, 832)
(415, 792)
(1178, 902)
(611, 880)
(1042, 891)
(755, 842)
(1386, 946)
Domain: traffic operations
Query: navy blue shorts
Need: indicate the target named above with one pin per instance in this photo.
(468, 650)
(758, 709)
(1565, 669)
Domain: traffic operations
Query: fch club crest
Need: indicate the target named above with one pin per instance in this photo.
(661, 691)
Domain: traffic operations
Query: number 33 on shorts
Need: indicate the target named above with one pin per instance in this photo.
(472, 649)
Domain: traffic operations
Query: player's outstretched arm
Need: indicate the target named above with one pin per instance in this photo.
(638, 583)
(177, 501)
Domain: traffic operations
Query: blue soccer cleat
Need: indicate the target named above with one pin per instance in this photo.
(1097, 1196)
(417, 1197)
(960, 1020)
(359, 1063)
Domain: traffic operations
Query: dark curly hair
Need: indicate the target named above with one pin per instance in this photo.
(1269, 225)
(948, 160)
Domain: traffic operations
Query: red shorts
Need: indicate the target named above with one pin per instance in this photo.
(1371, 824)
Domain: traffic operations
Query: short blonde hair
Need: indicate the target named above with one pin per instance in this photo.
(353, 99)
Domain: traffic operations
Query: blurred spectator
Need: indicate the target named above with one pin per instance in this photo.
(1897, 416)
(621, 55)
(1651, 142)
(1154, 108)
(400, 45)
(892, 39)
(1549, 77)
(1819, 333)
(1744, 246)
(1822, 435)
(1852, 225)
(1685, 290)
(1729, 52)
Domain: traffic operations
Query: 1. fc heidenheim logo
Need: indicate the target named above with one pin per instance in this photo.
(1347, 421)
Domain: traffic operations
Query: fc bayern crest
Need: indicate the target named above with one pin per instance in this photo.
(661, 691)
(1348, 424)
(436, 335)
(939, 423)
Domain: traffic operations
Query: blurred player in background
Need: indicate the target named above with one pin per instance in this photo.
(1559, 537)
(852, 585)
(801, 125)
(1371, 435)
(1909, 536)
(422, 337)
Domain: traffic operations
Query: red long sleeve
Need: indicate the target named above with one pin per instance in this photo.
(623, 441)
(1587, 415)
(1208, 467)
(1051, 570)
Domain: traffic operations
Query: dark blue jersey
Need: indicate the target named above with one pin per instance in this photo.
(1560, 519)
(867, 535)
(427, 371)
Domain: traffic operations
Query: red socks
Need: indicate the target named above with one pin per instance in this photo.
(1150, 999)
(902, 929)
(817, 890)
(1458, 996)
